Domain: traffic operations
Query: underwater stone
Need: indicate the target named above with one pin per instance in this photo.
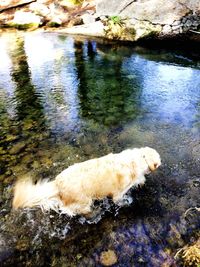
(2, 152)
(108, 258)
(16, 148)
(23, 245)
(36, 164)
(11, 137)
(27, 158)
(47, 162)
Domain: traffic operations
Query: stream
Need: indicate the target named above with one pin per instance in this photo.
(67, 99)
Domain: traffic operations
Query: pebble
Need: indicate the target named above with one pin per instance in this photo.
(16, 148)
(108, 258)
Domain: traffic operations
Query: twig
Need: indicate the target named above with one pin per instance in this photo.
(188, 210)
(195, 31)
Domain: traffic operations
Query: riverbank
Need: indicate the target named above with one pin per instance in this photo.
(65, 100)
(128, 21)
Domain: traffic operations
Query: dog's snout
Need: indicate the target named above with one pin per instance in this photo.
(156, 165)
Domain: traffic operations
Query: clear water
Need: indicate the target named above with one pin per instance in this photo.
(65, 100)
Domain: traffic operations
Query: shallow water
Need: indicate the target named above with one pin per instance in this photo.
(65, 100)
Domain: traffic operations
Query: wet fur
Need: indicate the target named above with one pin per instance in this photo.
(75, 188)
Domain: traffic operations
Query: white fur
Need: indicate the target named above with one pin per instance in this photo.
(75, 188)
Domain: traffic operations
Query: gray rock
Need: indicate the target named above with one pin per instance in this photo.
(167, 29)
(88, 18)
(176, 23)
(174, 28)
(156, 12)
(39, 9)
(188, 23)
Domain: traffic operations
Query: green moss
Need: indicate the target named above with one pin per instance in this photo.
(53, 24)
(74, 2)
(26, 26)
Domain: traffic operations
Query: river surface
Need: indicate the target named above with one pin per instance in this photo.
(65, 100)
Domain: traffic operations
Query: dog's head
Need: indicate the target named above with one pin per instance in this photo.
(151, 158)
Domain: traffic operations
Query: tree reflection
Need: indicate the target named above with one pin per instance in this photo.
(28, 103)
(108, 94)
(23, 132)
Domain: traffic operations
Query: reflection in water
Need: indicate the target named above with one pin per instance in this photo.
(52, 71)
(25, 126)
(65, 101)
(28, 105)
(111, 95)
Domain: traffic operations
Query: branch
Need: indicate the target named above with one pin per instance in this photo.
(195, 31)
(17, 5)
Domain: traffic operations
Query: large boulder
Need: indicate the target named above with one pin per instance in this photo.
(160, 17)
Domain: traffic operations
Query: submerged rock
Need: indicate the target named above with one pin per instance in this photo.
(190, 254)
(108, 258)
(16, 148)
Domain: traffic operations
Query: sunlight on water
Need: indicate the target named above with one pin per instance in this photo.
(65, 100)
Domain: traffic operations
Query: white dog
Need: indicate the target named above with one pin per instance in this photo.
(75, 188)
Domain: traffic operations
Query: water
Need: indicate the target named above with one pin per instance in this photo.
(65, 100)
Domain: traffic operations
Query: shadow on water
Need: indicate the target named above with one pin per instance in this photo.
(85, 99)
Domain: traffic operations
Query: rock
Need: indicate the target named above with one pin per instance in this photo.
(108, 258)
(153, 18)
(7, 4)
(93, 29)
(11, 137)
(88, 18)
(39, 9)
(16, 148)
(190, 255)
(2, 151)
(54, 22)
(47, 162)
(167, 29)
(23, 245)
(75, 21)
(157, 11)
(175, 23)
(25, 20)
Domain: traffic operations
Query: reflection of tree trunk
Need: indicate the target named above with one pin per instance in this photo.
(107, 93)
(81, 75)
(90, 50)
(28, 104)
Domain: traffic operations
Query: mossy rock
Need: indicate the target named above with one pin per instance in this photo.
(53, 24)
(17, 148)
(26, 26)
(72, 2)
(11, 137)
